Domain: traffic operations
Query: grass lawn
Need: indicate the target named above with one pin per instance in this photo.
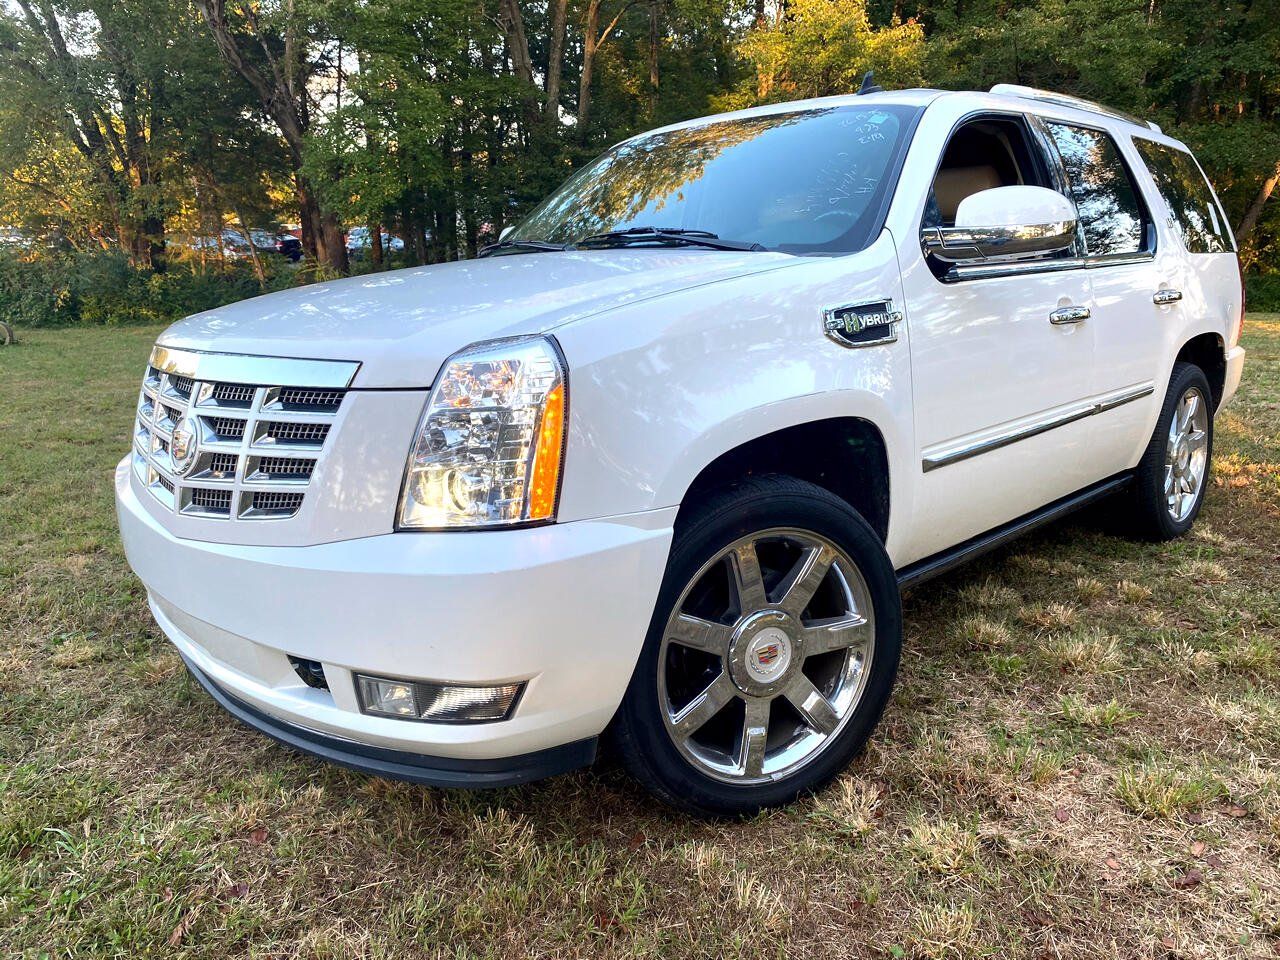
(1082, 758)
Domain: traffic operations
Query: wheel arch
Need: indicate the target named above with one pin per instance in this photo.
(845, 455)
(1208, 352)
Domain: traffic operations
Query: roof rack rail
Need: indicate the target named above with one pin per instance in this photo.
(1066, 100)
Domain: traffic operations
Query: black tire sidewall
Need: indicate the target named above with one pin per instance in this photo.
(641, 735)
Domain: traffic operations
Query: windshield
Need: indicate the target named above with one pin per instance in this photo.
(811, 181)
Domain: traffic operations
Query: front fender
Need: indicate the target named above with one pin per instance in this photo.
(661, 389)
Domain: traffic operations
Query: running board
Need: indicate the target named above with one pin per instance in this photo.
(917, 573)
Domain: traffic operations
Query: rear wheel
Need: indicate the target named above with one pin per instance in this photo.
(1171, 479)
(771, 654)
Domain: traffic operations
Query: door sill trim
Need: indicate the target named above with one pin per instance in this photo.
(914, 574)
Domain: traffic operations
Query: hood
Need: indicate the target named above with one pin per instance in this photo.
(401, 326)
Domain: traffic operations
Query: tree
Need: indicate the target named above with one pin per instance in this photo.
(71, 70)
(824, 47)
(291, 56)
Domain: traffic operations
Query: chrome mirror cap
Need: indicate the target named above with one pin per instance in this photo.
(1004, 222)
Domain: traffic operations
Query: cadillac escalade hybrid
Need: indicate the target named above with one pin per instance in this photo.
(657, 466)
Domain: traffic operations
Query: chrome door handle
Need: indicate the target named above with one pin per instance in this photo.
(1165, 295)
(1069, 315)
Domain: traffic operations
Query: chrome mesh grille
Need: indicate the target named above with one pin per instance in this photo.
(256, 442)
(302, 398)
(227, 428)
(285, 467)
(223, 463)
(285, 432)
(277, 501)
(234, 394)
(207, 500)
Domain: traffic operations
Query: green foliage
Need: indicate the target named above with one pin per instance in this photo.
(1208, 71)
(103, 288)
(823, 47)
(1264, 292)
(125, 123)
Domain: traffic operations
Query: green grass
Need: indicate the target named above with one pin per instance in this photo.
(1080, 760)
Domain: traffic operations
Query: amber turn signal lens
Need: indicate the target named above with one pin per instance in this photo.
(545, 482)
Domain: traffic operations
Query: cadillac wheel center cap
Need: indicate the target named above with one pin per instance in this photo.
(768, 655)
(183, 445)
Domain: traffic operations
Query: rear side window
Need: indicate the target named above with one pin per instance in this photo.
(1112, 219)
(1197, 215)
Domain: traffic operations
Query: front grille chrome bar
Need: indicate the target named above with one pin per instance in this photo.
(245, 369)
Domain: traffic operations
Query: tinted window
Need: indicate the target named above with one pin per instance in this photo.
(1111, 215)
(1199, 219)
(804, 181)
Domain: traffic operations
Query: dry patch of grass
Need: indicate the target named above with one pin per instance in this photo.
(1080, 761)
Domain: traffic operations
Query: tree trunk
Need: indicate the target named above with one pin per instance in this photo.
(333, 248)
(512, 22)
(375, 244)
(287, 106)
(253, 252)
(1251, 216)
(555, 60)
(654, 36)
(309, 218)
(589, 43)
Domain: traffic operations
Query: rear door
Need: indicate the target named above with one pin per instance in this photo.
(1200, 235)
(1127, 267)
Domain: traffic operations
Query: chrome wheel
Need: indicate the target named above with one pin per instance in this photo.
(1186, 454)
(765, 656)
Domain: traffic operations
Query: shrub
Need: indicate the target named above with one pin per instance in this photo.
(1263, 292)
(102, 288)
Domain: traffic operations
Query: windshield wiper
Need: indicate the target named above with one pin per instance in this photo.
(674, 236)
(529, 246)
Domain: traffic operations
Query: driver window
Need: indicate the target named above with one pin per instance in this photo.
(984, 153)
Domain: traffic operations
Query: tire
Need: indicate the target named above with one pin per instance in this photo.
(6, 334)
(734, 759)
(1154, 515)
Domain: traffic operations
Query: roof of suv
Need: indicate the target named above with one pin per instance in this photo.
(1013, 95)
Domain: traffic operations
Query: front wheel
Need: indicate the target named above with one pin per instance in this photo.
(771, 654)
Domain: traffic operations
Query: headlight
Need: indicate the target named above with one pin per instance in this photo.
(491, 439)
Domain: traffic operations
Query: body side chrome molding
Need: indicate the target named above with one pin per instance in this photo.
(954, 452)
(254, 370)
(984, 271)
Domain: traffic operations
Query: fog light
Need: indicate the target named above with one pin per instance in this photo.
(435, 702)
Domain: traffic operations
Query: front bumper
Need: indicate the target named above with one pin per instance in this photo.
(1235, 367)
(563, 608)
(400, 764)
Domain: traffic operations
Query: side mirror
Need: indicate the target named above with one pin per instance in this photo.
(1004, 222)
(505, 230)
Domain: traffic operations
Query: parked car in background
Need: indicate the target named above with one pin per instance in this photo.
(359, 242)
(658, 466)
(234, 243)
(289, 246)
(263, 240)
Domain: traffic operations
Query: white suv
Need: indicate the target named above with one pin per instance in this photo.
(658, 465)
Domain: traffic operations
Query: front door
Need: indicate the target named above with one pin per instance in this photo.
(1001, 384)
